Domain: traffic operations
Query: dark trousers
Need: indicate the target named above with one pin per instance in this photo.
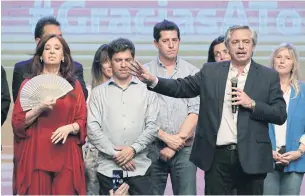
(226, 176)
(138, 185)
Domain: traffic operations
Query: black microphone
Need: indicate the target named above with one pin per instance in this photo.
(234, 82)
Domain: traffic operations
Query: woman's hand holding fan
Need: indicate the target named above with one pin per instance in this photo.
(47, 104)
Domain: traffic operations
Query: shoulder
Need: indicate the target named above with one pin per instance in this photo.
(24, 82)
(23, 64)
(77, 64)
(99, 89)
(302, 86)
(210, 69)
(265, 70)
(89, 87)
(150, 64)
(212, 65)
(192, 68)
(77, 84)
(78, 88)
(142, 89)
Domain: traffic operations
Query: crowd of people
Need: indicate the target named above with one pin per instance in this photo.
(162, 118)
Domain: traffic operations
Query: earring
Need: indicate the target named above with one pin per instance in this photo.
(41, 59)
(63, 60)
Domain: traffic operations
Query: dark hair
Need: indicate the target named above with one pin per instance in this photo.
(48, 20)
(101, 56)
(218, 40)
(67, 67)
(120, 45)
(165, 25)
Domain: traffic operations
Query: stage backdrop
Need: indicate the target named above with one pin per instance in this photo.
(88, 24)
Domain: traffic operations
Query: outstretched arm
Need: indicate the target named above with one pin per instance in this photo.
(187, 87)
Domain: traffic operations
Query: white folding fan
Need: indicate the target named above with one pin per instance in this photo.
(42, 87)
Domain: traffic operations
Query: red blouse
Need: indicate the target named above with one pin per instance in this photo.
(33, 148)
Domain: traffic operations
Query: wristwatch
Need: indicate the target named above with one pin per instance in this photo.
(253, 103)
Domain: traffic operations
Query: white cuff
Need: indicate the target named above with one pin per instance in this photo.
(154, 84)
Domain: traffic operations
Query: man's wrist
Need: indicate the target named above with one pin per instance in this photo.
(252, 104)
(134, 150)
(182, 136)
(161, 135)
(154, 83)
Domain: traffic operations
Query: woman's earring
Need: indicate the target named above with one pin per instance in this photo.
(41, 59)
(63, 60)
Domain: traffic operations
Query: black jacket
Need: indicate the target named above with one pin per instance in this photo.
(254, 146)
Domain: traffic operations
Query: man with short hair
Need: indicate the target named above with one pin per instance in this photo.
(45, 26)
(177, 118)
(122, 118)
(233, 148)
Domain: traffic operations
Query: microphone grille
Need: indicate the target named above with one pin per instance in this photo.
(234, 80)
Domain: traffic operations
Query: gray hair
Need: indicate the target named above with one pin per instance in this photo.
(236, 27)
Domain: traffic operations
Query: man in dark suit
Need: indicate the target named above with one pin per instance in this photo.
(45, 26)
(233, 149)
(5, 96)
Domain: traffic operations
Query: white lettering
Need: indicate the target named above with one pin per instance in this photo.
(230, 20)
(184, 20)
(63, 17)
(121, 22)
(263, 8)
(207, 18)
(282, 19)
(139, 20)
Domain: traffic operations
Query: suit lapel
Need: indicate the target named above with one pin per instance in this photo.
(293, 101)
(252, 75)
(222, 80)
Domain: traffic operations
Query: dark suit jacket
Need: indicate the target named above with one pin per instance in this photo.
(5, 96)
(22, 70)
(254, 147)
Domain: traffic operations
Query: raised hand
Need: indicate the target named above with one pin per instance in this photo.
(138, 70)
